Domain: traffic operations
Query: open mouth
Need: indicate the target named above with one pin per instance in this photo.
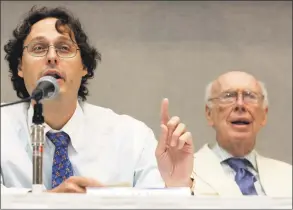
(240, 122)
(56, 75)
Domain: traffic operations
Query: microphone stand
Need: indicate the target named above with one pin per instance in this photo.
(47, 87)
(38, 140)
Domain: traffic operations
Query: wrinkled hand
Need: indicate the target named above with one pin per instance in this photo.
(75, 184)
(175, 150)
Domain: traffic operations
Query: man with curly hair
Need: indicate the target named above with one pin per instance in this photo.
(86, 145)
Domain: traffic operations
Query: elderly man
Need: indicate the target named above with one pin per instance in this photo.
(236, 107)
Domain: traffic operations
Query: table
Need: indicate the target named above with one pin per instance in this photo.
(90, 201)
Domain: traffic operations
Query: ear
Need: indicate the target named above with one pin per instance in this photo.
(265, 117)
(208, 113)
(19, 69)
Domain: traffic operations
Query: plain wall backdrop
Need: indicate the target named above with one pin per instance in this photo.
(151, 50)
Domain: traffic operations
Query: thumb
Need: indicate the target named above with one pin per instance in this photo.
(162, 144)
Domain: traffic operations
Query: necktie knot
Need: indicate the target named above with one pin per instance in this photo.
(60, 139)
(237, 163)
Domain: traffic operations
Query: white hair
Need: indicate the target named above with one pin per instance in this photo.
(264, 91)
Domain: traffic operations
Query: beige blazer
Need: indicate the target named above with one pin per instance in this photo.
(211, 180)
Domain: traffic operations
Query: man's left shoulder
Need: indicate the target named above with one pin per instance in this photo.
(277, 165)
(112, 118)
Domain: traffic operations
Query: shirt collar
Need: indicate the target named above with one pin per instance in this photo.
(223, 155)
(71, 127)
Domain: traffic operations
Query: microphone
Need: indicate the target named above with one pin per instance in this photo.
(47, 88)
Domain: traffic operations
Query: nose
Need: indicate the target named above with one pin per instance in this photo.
(52, 57)
(239, 106)
(239, 100)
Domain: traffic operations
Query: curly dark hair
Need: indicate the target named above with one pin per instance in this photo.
(14, 47)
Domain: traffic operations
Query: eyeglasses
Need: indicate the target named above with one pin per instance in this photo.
(64, 48)
(230, 97)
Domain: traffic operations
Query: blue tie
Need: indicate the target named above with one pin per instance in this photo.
(61, 168)
(244, 178)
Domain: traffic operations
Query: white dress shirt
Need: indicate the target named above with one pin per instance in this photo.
(251, 157)
(108, 147)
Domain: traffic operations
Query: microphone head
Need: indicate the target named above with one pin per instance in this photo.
(51, 92)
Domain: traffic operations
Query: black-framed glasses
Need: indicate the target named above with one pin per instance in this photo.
(64, 48)
(231, 96)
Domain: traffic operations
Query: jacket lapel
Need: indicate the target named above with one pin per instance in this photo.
(274, 178)
(208, 168)
(263, 171)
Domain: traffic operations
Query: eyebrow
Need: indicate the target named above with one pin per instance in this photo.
(235, 90)
(42, 38)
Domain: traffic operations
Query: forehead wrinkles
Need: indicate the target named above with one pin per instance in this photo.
(224, 83)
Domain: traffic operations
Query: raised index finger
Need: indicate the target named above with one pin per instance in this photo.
(165, 111)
